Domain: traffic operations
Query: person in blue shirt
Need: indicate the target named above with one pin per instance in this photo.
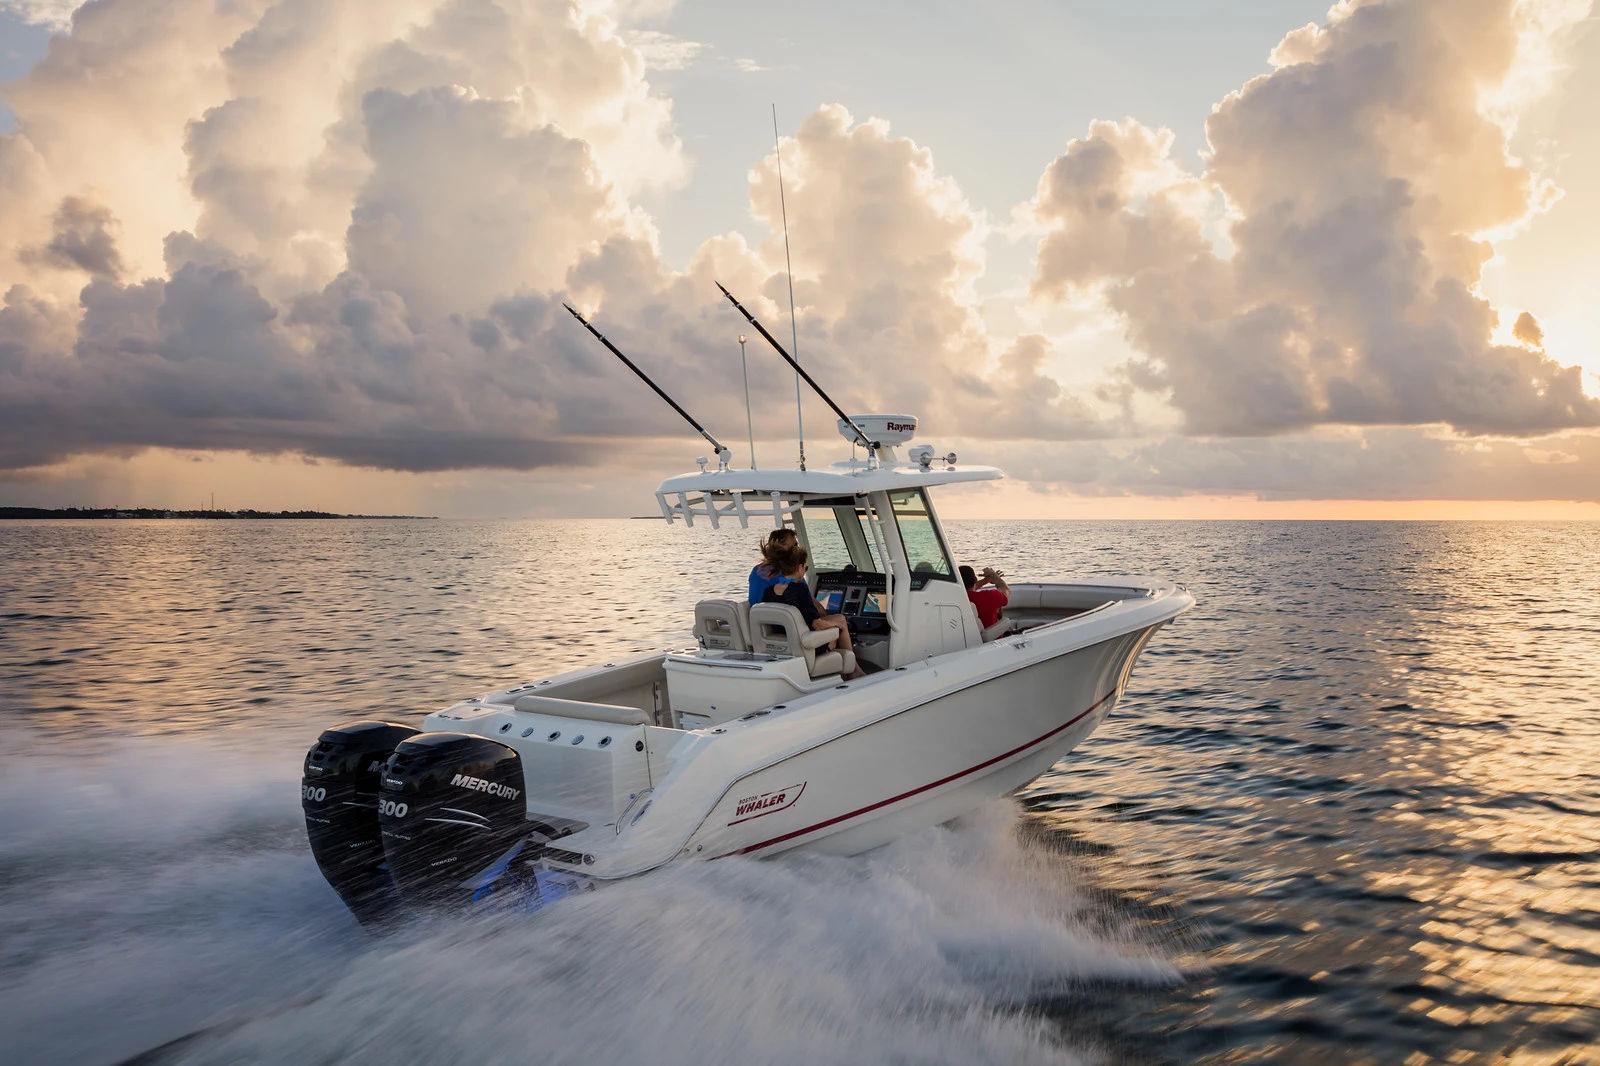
(791, 588)
(778, 544)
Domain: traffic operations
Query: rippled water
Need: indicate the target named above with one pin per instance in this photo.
(1348, 811)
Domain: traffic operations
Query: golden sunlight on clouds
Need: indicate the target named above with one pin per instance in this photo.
(344, 231)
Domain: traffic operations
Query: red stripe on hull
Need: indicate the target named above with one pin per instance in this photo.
(932, 784)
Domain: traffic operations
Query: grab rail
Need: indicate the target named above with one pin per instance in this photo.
(594, 712)
(881, 541)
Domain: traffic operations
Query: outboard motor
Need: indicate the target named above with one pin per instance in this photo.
(453, 810)
(339, 794)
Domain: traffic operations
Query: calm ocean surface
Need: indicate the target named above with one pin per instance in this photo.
(1349, 811)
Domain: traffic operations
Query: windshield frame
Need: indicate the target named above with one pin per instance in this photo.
(913, 504)
(848, 515)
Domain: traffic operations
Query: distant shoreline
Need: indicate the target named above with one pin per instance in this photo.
(158, 512)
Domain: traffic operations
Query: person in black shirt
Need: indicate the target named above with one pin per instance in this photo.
(793, 590)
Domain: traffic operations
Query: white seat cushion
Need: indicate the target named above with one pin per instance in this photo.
(778, 629)
(723, 624)
(999, 629)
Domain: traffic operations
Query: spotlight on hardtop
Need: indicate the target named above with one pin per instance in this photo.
(924, 455)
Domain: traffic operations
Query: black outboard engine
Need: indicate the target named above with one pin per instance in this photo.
(339, 794)
(453, 809)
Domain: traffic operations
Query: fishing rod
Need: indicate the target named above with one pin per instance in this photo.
(861, 434)
(723, 454)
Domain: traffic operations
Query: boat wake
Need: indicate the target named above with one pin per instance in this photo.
(160, 904)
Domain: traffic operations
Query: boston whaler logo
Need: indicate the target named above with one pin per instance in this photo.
(493, 788)
(779, 799)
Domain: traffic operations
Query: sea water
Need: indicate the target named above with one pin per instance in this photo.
(1349, 810)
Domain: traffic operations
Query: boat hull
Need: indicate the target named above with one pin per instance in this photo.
(839, 768)
(926, 764)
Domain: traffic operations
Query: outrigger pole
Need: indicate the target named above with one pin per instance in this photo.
(794, 327)
(723, 454)
(861, 434)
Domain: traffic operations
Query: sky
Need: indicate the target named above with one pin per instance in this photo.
(1165, 259)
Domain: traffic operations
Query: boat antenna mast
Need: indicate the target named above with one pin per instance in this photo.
(788, 266)
(861, 434)
(749, 419)
(724, 456)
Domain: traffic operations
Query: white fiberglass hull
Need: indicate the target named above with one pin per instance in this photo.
(854, 766)
(582, 774)
(927, 764)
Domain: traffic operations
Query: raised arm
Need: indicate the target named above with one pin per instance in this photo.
(991, 576)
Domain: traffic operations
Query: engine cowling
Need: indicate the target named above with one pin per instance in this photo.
(339, 794)
(453, 814)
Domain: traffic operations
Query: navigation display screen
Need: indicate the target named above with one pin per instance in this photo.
(831, 600)
(874, 603)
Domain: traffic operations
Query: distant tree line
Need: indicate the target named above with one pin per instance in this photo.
(157, 512)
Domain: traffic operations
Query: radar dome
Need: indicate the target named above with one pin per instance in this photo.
(887, 430)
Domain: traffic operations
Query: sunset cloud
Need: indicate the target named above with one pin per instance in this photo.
(348, 190)
(54, 13)
(344, 230)
(1361, 180)
(83, 237)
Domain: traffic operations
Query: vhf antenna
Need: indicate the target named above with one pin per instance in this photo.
(861, 434)
(794, 329)
(723, 454)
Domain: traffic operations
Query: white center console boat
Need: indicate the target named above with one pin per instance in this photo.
(751, 741)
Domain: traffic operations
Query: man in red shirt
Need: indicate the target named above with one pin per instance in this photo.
(989, 596)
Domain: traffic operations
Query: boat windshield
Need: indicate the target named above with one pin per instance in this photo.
(835, 536)
(925, 551)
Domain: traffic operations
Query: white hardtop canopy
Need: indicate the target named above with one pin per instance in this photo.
(839, 479)
(776, 493)
(745, 494)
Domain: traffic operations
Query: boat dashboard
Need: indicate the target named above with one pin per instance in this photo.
(860, 595)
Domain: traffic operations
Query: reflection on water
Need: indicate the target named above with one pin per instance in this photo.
(1350, 808)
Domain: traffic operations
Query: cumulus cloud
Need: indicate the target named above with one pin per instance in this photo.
(1019, 399)
(1362, 180)
(367, 216)
(57, 14)
(344, 230)
(663, 51)
(83, 237)
(419, 226)
(887, 252)
(1526, 329)
(300, 244)
(885, 249)
(103, 117)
